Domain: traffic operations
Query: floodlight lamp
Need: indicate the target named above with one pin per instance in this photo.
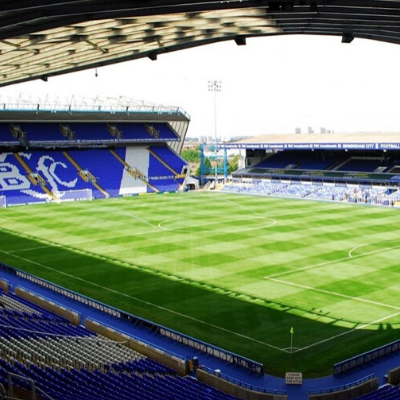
(214, 86)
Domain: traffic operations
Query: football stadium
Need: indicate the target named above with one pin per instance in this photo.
(120, 279)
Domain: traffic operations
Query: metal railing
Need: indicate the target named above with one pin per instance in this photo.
(343, 387)
(33, 389)
(366, 358)
(243, 384)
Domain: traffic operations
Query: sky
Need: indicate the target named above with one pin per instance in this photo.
(271, 85)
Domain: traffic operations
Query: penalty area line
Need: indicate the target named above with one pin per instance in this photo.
(145, 302)
(371, 252)
(347, 332)
(245, 208)
(375, 303)
(305, 268)
(347, 258)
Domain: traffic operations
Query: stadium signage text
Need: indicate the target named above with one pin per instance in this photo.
(294, 378)
(319, 146)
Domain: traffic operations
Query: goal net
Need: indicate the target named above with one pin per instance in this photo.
(3, 201)
(74, 195)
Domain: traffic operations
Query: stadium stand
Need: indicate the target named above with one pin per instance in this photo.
(318, 161)
(387, 392)
(46, 150)
(6, 137)
(81, 133)
(162, 176)
(164, 153)
(134, 170)
(71, 362)
(361, 165)
(351, 168)
(354, 194)
(107, 173)
(14, 183)
(283, 159)
(327, 160)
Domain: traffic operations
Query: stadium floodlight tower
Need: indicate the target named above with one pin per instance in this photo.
(221, 163)
(215, 87)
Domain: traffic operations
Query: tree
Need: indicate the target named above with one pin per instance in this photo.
(207, 166)
(191, 155)
(233, 165)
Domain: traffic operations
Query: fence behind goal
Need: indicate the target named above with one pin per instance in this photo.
(74, 195)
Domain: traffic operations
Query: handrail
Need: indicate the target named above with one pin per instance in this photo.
(242, 384)
(367, 357)
(138, 340)
(32, 383)
(3, 394)
(343, 387)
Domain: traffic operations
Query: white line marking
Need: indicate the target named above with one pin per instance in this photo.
(71, 244)
(305, 268)
(139, 219)
(355, 248)
(371, 252)
(144, 301)
(347, 332)
(347, 258)
(242, 206)
(33, 248)
(350, 256)
(344, 296)
(336, 294)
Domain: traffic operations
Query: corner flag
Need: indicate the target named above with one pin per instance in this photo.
(291, 339)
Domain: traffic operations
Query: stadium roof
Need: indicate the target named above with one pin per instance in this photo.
(43, 38)
(77, 107)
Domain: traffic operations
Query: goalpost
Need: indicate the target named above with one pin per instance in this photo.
(74, 195)
(3, 202)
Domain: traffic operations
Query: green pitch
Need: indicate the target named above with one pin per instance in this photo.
(236, 271)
